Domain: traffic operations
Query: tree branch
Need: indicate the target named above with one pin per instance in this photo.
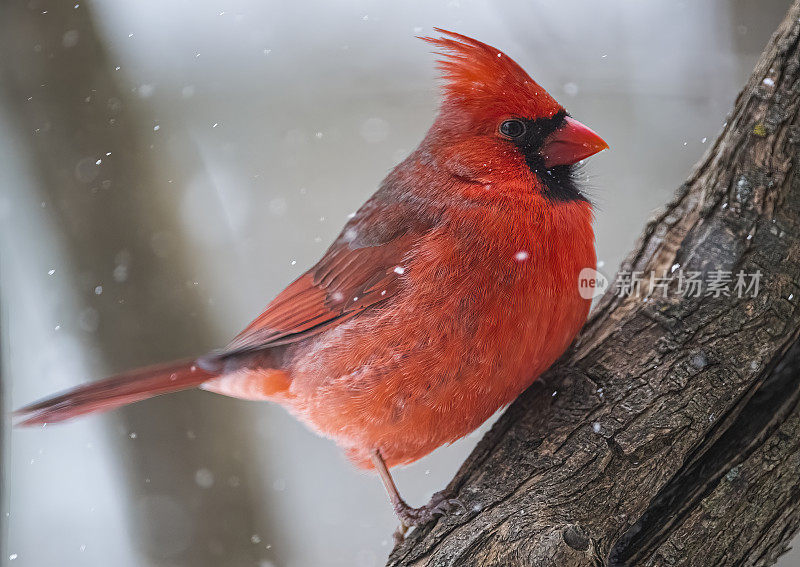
(670, 432)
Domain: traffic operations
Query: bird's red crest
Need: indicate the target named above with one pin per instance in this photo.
(482, 78)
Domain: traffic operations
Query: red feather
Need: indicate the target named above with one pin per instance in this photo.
(482, 79)
(119, 390)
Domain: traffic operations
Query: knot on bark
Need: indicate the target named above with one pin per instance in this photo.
(576, 537)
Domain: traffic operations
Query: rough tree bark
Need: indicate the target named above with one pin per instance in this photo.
(670, 433)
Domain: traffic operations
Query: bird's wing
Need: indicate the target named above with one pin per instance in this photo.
(364, 267)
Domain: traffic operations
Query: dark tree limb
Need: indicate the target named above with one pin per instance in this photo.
(670, 433)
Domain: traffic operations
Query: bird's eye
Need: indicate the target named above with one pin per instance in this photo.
(512, 128)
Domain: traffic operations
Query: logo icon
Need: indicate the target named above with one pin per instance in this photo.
(591, 283)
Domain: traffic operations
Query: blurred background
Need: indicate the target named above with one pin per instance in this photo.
(167, 167)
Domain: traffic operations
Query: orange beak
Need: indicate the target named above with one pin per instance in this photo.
(570, 144)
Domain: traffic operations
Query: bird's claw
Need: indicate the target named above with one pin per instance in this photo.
(441, 504)
(449, 506)
(399, 534)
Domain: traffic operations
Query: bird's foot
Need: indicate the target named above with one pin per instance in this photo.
(440, 504)
(399, 534)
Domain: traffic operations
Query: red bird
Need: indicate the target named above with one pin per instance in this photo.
(446, 295)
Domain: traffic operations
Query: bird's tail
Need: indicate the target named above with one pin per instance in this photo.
(119, 390)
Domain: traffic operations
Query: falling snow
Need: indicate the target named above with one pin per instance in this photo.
(570, 89)
(146, 91)
(374, 130)
(204, 478)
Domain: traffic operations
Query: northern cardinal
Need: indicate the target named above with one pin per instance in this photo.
(446, 295)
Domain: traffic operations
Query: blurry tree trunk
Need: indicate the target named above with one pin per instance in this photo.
(97, 172)
(3, 495)
(670, 433)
